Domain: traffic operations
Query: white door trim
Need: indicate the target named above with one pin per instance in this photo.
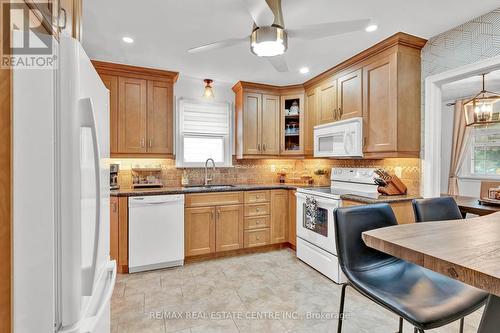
(431, 164)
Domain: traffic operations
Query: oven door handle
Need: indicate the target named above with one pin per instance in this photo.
(326, 201)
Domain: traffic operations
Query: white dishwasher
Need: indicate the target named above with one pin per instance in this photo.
(155, 232)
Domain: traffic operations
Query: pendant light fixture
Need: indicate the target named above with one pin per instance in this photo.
(481, 109)
(208, 93)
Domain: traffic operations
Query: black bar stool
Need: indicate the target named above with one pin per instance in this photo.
(422, 297)
(436, 209)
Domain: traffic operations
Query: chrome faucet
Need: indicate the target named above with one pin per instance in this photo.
(206, 171)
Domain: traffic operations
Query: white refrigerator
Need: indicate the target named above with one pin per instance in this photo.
(63, 277)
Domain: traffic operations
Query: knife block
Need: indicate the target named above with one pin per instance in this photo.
(394, 187)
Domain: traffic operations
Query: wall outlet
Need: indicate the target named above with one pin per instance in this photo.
(398, 171)
(273, 168)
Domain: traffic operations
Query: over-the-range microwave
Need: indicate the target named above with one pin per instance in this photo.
(341, 139)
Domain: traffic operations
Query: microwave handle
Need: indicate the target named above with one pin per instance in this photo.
(345, 141)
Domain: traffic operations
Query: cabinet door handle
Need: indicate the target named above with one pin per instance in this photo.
(150, 143)
(341, 112)
(258, 146)
(335, 115)
(218, 214)
(364, 142)
(142, 142)
(212, 215)
(264, 147)
(114, 207)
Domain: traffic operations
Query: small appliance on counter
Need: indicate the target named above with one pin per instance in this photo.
(146, 177)
(389, 184)
(113, 176)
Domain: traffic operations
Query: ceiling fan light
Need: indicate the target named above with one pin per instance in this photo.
(371, 28)
(268, 41)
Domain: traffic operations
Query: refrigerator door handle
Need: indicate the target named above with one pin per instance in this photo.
(87, 119)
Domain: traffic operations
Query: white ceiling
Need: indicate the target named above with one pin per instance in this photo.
(164, 29)
(471, 86)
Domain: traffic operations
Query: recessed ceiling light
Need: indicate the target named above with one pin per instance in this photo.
(128, 40)
(304, 70)
(371, 28)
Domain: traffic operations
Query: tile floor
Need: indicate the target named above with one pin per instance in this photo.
(264, 292)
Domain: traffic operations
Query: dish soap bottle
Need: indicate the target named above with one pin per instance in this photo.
(185, 178)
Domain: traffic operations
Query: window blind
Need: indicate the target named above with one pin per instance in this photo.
(205, 119)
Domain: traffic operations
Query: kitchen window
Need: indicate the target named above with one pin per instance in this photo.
(204, 131)
(483, 158)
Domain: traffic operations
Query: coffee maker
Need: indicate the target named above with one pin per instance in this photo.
(113, 176)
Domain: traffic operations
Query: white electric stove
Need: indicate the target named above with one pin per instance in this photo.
(316, 237)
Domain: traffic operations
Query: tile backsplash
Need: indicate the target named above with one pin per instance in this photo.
(266, 171)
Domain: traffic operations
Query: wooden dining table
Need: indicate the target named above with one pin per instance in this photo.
(466, 250)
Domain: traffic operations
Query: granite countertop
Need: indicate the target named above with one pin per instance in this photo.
(251, 187)
(380, 199)
(200, 189)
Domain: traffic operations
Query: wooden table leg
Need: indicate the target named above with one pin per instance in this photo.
(490, 322)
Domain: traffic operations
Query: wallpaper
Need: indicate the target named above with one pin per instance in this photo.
(470, 42)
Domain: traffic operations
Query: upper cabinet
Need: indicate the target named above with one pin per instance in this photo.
(349, 95)
(381, 85)
(311, 107)
(260, 121)
(391, 103)
(141, 110)
(292, 125)
(58, 16)
(327, 110)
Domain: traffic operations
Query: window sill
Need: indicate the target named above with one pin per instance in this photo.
(476, 178)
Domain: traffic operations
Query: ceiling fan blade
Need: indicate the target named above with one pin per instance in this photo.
(279, 63)
(322, 30)
(260, 12)
(219, 45)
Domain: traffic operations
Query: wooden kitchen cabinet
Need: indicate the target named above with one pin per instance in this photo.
(229, 228)
(199, 231)
(111, 83)
(279, 216)
(113, 228)
(73, 12)
(292, 125)
(327, 110)
(350, 95)
(292, 218)
(210, 226)
(160, 118)
(132, 115)
(310, 120)
(391, 104)
(141, 110)
(270, 120)
(261, 118)
(403, 210)
(252, 123)
(260, 122)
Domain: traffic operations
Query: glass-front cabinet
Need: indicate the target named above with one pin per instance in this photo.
(292, 125)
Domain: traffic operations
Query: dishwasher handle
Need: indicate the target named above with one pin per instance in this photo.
(156, 200)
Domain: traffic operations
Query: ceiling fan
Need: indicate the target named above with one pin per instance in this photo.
(269, 37)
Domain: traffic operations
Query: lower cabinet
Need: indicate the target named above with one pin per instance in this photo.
(229, 228)
(279, 216)
(199, 231)
(227, 221)
(213, 229)
(403, 210)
